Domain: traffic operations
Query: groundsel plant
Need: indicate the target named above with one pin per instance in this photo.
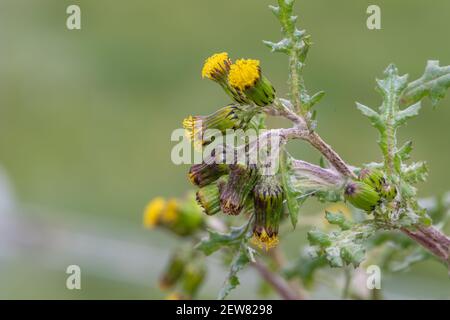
(240, 208)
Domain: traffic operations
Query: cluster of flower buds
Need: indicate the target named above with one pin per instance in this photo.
(186, 269)
(236, 188)
(242, 189)
(244, 82)
(181, 216)
(369, 190)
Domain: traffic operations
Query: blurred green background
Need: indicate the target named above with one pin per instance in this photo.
(86, 118)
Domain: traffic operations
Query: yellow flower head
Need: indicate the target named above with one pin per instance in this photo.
(153, 212)
(244, 74)
(264, 241)
(216, 66)
(171, 213)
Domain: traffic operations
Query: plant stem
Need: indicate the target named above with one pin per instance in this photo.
(332, 156)
(277, 282)
(279, 259)
(433, 240)
(347, 282)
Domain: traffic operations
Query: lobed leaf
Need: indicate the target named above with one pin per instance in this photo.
(243, 257)
(338, 219)
(217, 240)
(406, 114)
(374, 117)
(433, 83)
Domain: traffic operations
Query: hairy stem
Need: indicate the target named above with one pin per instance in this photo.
(433, 240)
(295, 81)
(332, 156)
(279, 259)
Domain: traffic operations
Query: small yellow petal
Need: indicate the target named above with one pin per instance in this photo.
(171, 213)
(153, 212)
(264, 241)
(244, 74)
(216, 64)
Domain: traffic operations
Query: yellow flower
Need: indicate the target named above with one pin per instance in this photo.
(170, 215)
(244, 74)
(264, 241)
(216, 66)
(153, 212)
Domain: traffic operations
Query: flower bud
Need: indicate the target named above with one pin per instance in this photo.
(182, 217)
(173, 271)
(216, 68)
(388, 191)
(229, 117)
(361, 195)
(189, 219)
(193, 277)
(234, 193)
(204, 174)
(373, 177)
(208, 197)
(268, 202)
(153, 212)
(245, 76)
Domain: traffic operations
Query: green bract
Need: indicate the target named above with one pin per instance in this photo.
(361, 195)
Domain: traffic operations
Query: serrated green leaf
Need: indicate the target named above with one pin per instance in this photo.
(338, 219)
(406, 114)
(393, 83)
(343, 246)
(404, 153)
(390, 117)
(299, 34)
(417, 172)
(318, 238)
(374, 117)
(282, 46)
(333, 255)
(293, 204)
(353, 254)
(434, 83)
(217, 240)
(311, 101)
(240, 260)
(275, 10)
